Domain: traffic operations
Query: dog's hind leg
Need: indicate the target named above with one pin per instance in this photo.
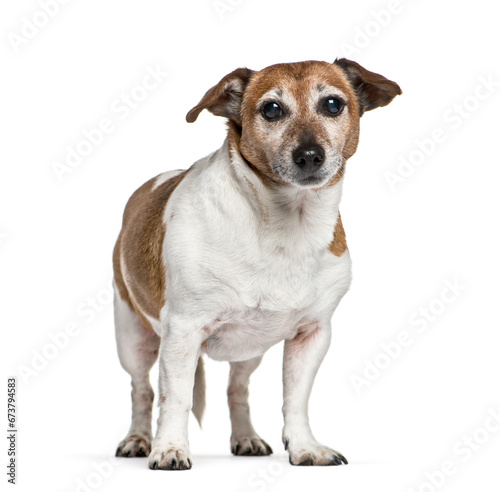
(138, 350)
(244, 439)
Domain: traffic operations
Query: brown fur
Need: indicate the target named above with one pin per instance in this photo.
(141, 242)
(224, 99)
(234, 139)
(339, 244)
(296, 78)
(238, 94)
(246, 87)
(372, 89)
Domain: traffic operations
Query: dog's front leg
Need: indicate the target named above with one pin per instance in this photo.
(302, 357)
(179, 351)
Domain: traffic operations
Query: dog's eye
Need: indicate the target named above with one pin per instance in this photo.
(271, 111)
(334, 106)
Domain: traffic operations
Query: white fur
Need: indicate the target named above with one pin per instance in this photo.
(258, 262)
(138, 351)
(161, 178)
(246, 269)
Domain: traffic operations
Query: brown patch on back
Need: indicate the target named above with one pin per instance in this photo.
(140, 243)
(339, 243)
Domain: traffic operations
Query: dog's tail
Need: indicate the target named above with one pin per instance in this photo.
(199, 391)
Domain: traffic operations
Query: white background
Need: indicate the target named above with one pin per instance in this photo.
(439, 225)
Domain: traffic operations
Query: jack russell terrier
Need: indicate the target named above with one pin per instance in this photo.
(241, 251)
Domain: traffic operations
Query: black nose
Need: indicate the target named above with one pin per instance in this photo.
(309, 157)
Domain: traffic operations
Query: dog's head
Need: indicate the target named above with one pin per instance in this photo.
(297, 123)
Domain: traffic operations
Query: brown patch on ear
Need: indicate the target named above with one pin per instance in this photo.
(140, 246)
(224, 99)
(373, 90)
(339, 243)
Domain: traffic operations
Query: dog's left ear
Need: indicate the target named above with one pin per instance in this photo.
(224, 99)
(373, 90)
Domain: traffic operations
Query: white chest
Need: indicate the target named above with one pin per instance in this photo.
(254, 270)
(270, 305)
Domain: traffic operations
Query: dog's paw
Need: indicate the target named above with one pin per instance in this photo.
(313, 454)
(170, 458)
(250, 446)
(134, 446)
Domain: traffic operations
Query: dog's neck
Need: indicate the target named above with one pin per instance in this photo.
(305, 216)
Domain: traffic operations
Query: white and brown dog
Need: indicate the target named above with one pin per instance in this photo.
(241, 251)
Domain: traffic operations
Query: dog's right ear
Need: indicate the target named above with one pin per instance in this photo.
(373, 90)
(224, 99)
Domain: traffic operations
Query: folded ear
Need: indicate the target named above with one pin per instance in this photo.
(225, 98)
(373, 90)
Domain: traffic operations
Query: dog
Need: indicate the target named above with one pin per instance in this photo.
(241, 251)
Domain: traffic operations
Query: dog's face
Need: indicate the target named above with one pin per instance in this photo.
(297, 123)
(297, 120)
